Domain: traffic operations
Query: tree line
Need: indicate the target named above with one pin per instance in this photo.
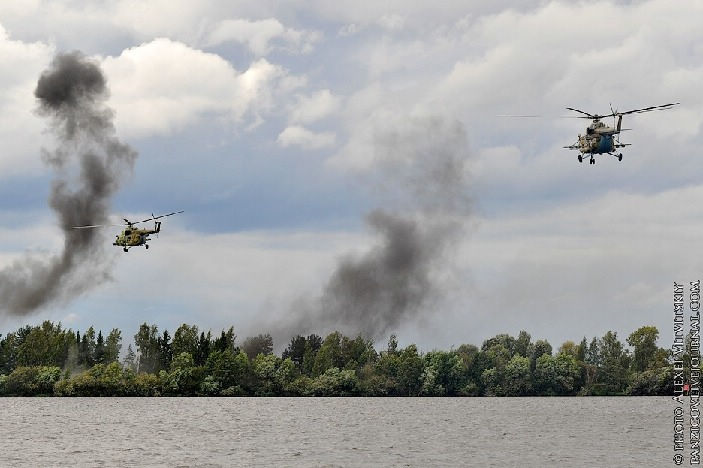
(50, 360)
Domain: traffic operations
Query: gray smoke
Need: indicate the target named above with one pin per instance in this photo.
(89, 164)
(420, 178)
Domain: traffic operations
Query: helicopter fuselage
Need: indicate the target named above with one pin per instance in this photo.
(599, 139)
(596, 143)
(133, 237)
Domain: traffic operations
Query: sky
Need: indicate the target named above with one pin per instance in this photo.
(281, 127)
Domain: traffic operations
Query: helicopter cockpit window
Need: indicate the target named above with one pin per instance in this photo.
(127, 233)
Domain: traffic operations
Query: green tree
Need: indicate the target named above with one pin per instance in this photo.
(228, 369)
(184, 377)
(185, 340)
(130, 359)
(357, 352)
(383, 376)
(47, 344)
(260, 344)
(204, 347)
(100, 348)
(489, 368)
(392, 344)
(612, 373)
(497, 356)
(539, 348)
(32, 380)
(165, 350)
(644, 342)
(469, 355)
(313, 343)
(295, 350)
(329, 354)
(504, 340)
(113, 345)
(569, 347)
(410, 369)
(264, 368)
(658, 381)
(492, 382)
(443, 373)
(334, 382)
(517, 378)
(556, 375)
(523, 344)
(592, 353)
(147, 343)
(286, 373)
(225, 341)
(86, 354)
(581, 352)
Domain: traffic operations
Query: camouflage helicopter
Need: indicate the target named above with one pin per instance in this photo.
(601, 139)
(131, 236)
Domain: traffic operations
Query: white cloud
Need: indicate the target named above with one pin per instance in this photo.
(418, 14)
(600, 264)
(262, 36)
(391, 22)
(348, 30)
(474, 67)
(308, 109)
(31, 233)
(244, 279)
(20, 128)
(300, 136)
(70, 319)
(162, 86)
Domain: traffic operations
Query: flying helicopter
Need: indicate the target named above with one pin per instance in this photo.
(132, 236)
(601, 139)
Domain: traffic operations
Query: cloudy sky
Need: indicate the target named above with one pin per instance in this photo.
(278, 126)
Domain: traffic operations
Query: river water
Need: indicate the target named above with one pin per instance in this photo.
(331, 432)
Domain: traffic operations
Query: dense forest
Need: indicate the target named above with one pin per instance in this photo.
(51, 360)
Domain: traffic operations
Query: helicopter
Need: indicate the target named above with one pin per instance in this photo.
(132, 236)
(601, 139)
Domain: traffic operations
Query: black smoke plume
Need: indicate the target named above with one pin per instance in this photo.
(90, 164)
(420, 176)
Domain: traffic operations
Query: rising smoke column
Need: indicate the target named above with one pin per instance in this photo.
(420, 176)
(90, 164)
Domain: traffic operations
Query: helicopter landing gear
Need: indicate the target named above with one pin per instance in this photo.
(126, 249)
(618, 156)
(146, 246)
(592, 161)
(580, 158)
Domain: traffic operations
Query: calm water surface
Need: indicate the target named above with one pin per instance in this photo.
(417, 432)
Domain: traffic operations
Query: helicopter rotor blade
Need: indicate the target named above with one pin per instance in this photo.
(92, 226)
(169, 214)
(158, 217)
(537, 116)
(89, 227)
(649, 109)
(590, 116)
(520, 115)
